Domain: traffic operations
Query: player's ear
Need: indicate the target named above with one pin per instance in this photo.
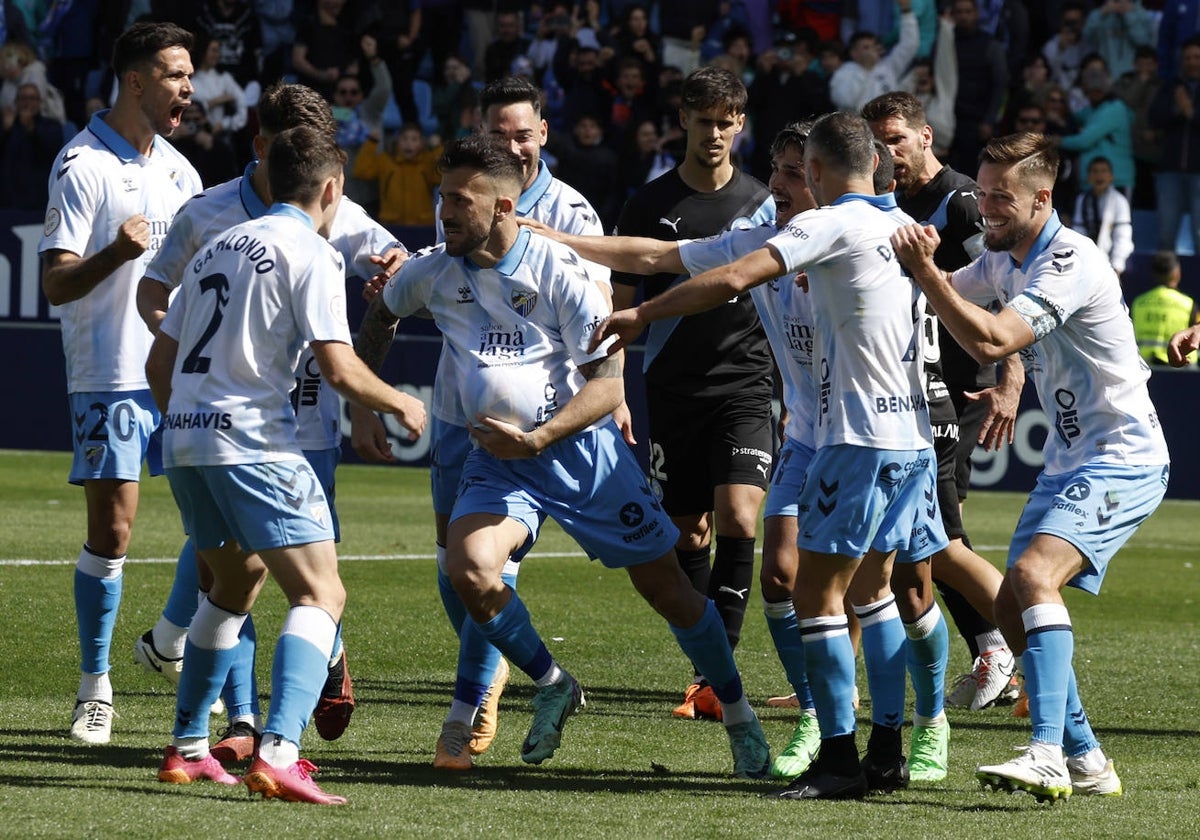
(505, 206)
(133, 81)
(1041, 198)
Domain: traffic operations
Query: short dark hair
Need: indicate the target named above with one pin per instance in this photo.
(1163, 264)
(302, 158)
(897, 103)
(1031, 153)
(885, 170)
(713, 87)
(1100, 159)
(511, 90)
(844, 141)
(860, 35)
(141, 42)
(486, 154)
(288, 105)
(792, 134)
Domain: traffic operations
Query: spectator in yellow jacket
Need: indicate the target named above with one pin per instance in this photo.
(407, 176)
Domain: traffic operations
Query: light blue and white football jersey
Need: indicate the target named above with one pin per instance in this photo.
(97, 182)
(1084, 362)
(786, 314)
(354, 235)
(555, 204)
(250, 301)
(514, 335)
(868, 360)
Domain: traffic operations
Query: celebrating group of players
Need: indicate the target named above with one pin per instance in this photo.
(825, 275)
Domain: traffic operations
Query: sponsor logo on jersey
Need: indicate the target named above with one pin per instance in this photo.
(673, 225)
(632, 514)
(128, 184)
(464, 295)
(523, 302)
(53, 220)
(1066, 419)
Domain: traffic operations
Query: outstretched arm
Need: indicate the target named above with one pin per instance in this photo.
(631, 254)
(702, 292)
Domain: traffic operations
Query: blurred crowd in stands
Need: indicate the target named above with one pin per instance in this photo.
(1116, 82)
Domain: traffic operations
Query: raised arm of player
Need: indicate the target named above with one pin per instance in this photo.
(987, 337)
(600, 395)
(67, 277)
(703, 292)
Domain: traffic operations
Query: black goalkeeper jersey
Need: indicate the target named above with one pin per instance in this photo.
(711, 354)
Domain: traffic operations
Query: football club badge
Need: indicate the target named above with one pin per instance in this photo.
(524, 302)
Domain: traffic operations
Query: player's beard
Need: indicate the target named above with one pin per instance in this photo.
(472, 238)
(1008, 237)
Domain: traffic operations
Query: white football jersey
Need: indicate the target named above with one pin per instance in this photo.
(355, 236)
(555, 204)
(786, 314)
(97, 182)
(1084, 362)
(514, 335)
(249, 302)
(868, 362)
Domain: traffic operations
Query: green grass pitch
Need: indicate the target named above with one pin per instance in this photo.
(626, 768)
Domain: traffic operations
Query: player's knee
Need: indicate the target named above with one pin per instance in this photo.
(776, 582)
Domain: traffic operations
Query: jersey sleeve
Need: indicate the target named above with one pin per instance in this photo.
(75, 196)
(358, 237)
(972, 282)
(809, 238)
(408, 290)
(1061, 285)
(701, 255)
(586, 222)
(581, 307)
(319, 297)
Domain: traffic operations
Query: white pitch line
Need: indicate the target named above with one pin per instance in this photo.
(151, 561)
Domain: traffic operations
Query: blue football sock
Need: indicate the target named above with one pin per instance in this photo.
(884, 656)
(182, 602)
(785, 632)
(706, 644)
(829, 663)
(1078, 737)
(477, 657)
(511, 630)
(928, 649)
(1050, 647)
(208, 655)
(241, 685)
(456, 611)
(299, 670)
(98, 584)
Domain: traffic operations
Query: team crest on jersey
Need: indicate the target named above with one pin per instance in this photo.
(53, 220)
(94, 455)
(523, 302)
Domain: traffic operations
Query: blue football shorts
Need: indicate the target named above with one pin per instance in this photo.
(589, 483)
(1096, 508)
(856, 498)
(113, 432)
(324, 463)
(262, 506)
(783, 496)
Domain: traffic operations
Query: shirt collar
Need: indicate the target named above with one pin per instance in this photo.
(1049, 231)
(534, 192)
(887, 201)
(509, 262)
(250, 200)
(115, 143)
(291, 210)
